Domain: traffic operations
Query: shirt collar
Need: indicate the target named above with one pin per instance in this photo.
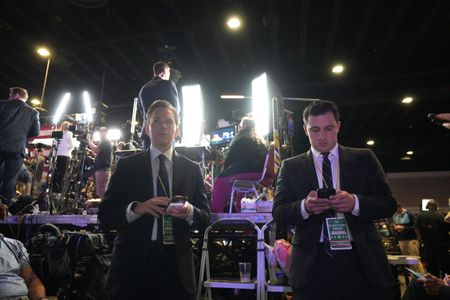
(334, 153)
(154, 153)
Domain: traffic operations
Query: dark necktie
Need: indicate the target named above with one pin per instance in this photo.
(162, 182)
(327, 180)
(162, 190)
(327, 176)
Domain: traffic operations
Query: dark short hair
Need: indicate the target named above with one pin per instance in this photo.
(162, 104)
(23, 93)
(320, 107)
(432, 205)
(158, 67)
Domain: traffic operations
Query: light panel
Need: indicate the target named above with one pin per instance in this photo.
(192, 121)
(261, 104)
(61, 108)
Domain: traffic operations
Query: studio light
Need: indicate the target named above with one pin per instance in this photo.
(192, 115)
(35, 102)
(261, 104)
(87, 107)
(407, 100)
(370, 142)
(233, 97)
(337, 69)
(61, 108)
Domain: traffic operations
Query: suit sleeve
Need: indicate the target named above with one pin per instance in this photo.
(174, 97)
(378, 202)
(200, 204)
(286, 208)
(35, 126)
(112, 209)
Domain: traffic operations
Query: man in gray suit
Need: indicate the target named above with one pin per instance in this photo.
(18, 121)
(152, 256)
(351, 263)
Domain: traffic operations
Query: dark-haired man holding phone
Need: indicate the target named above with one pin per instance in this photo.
(337, 252)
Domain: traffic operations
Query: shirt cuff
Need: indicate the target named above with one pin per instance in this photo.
(131, 215)
(355, 210)
(190, 215)
(305, 214)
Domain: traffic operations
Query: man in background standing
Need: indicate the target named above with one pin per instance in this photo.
(18, 121)
(160, 87)
(102, 162)
(433, 231)
(403, 227)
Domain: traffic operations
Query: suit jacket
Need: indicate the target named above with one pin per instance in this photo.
(18, 121)
(158, 89)
(360, 174)
(132, 181)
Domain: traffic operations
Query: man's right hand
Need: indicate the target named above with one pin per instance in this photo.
(314, 205)
(153, 206)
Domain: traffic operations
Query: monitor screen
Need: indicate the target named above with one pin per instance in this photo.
(222, 136)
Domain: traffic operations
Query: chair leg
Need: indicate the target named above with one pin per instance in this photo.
(230, 210)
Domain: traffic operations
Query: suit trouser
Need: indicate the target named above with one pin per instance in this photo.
(61, 166)
(339, 278)
(411, 247)
(10, 165)
(162, 278)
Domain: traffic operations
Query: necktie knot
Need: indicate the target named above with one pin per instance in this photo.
(325, 154)
(162, 158)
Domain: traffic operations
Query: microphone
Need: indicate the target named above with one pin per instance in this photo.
(435, 120)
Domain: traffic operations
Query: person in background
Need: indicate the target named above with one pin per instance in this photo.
(17, 279)
(63, 156)
(103, 161)
(432, 230)
(158, 88)
(352, 263)
(244, 160)
(403, 227)
(18, 122)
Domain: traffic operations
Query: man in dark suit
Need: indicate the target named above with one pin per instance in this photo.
(360, 270)
(160, 87)
(18, 121)
(149, 261)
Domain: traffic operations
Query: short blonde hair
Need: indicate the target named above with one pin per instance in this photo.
(65, 125)
(162, 104)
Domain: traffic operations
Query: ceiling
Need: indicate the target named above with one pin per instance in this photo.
(391, 49)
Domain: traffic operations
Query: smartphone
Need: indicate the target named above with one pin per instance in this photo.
(325, 193)
(432, 117)
(177, 201)
(417, 274)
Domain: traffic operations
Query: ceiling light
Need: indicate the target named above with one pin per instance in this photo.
(407, 100)
(338, 69)
(370, 142)
(406, 158)
(35, 101)
(234, 23)
(409, 152)
(43, 52)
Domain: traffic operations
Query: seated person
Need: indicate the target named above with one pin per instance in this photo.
(244, 160)
(17, 279)
(428, 289)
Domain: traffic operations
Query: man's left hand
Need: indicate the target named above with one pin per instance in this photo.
(179, 212)
(342, 201)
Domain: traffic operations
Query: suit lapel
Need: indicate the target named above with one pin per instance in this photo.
(311, 171)
(345, 168)
(177, 179)
(147, 174)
